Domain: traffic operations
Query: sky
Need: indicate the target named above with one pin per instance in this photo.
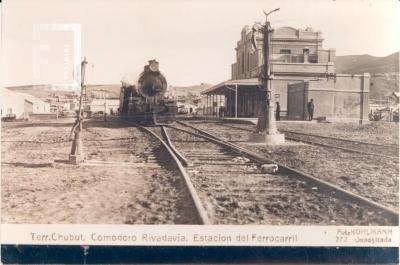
(194, 41)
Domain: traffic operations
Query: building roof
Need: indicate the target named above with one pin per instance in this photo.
(31, 98)
(221, 88)
(290, 33)
(8, 95)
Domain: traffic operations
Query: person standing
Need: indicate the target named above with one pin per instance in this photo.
(371, 116)
(278, 112)
(310, 109)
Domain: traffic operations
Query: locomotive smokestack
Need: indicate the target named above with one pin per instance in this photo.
(152, 83)
(153, 66)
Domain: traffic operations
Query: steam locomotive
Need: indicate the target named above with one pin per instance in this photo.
(145, 102)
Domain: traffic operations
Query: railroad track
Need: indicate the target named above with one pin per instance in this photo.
(200, 213)
(226, 185)
(141, 157)
(345, 144)
(373, 177)
(353, 146)
(233, 189)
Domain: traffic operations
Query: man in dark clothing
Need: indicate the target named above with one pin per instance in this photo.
(221, 111)
(310, 109)
(278, 112)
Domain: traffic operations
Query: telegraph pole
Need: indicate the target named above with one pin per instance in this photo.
(76, 156)
(266, 126)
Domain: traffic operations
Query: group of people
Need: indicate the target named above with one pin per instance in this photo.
(386, 114)
(310, 110)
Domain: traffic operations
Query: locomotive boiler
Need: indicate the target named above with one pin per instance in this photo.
(145, 101)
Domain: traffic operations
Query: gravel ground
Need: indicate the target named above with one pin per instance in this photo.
(372, 177)
(38, 186)
(235, 191)
(374, 132)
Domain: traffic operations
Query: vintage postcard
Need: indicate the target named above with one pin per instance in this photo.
(200, 123)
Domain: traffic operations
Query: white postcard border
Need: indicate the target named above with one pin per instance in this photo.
(196, 235)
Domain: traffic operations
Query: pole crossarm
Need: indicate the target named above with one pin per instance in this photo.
(266, 14)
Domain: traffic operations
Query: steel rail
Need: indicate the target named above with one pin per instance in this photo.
(339, 139)
(181, 158)
(339, 192)
(176, 156)
(321, 144)
(309, 134)
(201, 212)
(340, 148)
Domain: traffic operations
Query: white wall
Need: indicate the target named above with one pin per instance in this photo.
(11, 102)
(14, 102)
(39, 106)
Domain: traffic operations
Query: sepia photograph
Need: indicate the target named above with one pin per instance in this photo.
(281, 113)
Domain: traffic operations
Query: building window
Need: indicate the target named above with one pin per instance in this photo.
(285, 51)
(242, 63)
(248, 61)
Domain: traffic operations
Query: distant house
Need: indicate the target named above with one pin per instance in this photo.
(11, 103)
(21, 104)
(63, 107)
(102, 105)
(185, 107)
(39, 106)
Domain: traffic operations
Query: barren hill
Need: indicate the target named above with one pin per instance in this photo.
(45, 91)
(184, 91)
(358, 64)
(384, 72)
(107, 91)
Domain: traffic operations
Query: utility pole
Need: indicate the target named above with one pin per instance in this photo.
(267, 131)
(76, 156)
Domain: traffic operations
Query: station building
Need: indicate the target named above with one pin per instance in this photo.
(301, 68)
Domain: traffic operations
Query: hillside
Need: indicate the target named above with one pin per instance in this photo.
(358, 64)
(384, 72)
(43, 91)
(39, 91)
(185, 91)
(108, 91)
(383, 86)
